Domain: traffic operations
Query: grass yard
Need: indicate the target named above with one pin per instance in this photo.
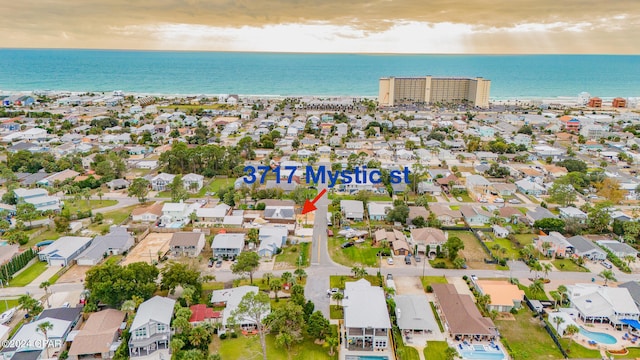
(8, 304)
(336, 312)
(248, 347)
(81, 205)
(447, 264)
(530, 296)
(525, 239)
(527, 339)
(473, 252)
(510, 252)
(376, 197)
(568, 265)
(404, 352)
(577, 351)
(338, 281)
(435, 315)
(428, 280)
(114, 259)
(29, 274)
(465, 197)
(359, 254)
(634, 353)
(116, 217)
(294, 256)
(49, 234)
(435, 350)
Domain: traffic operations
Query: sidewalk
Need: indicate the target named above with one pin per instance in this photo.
(45, 276)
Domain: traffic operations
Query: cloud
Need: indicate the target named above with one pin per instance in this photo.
(472, 25)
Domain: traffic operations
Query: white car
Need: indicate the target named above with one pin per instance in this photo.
(390, 260)
(514, 201)
(498, 200)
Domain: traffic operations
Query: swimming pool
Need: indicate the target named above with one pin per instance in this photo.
(3, 243)
(481, 355)
(602, 338)
(365, 357)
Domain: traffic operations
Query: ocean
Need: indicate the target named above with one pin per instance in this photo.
(287, 74)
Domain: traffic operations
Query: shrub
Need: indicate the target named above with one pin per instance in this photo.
(223, 336)
(429, 289)
(234, 335)
(439, 265)
(465, 278)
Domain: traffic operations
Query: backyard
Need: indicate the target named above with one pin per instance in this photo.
(29, 274)
(404, 352)
(338, 281)
(245, 347)
(510, 251)
(526, 338)
(359, 254)
(435, 350)
(568, 265)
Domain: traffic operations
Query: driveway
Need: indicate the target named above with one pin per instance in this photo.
(406, 285)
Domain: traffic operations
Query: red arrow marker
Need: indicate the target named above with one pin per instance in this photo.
(310, 206)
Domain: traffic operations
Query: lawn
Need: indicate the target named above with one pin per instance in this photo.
(360, 254)
(530, 296)
(404, 352)
(294, 256)
(568, 265)
(435, 315)
(248, 347)
(435, 350)
(81, 205)
(49, 234)
(634, 353)
(29, 274)
(526, 338)
(336, 312)
(218, 183)
(511, 252)
(473, 252)
(428, 280)
(116, 217)
(8, 304)
(577, 351)
(525, 239)
(114, 259)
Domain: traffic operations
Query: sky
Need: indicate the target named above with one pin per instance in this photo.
(340, 26)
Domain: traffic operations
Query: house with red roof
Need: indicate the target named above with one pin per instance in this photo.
(201, 313)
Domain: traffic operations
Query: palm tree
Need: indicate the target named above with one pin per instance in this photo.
(300, 274)
(569, 331)
(332, 342)
(286, 277)
(267, 276)
(537, 287)
(630, 259)
(100, 195)
(557, 298)
(562, 290)
(128, 306)
(338, 296)
(44, 328)
(275, 286)
(546, 268)
(545, 248)
(607, 275)
(176, 344)
(45, 285)
(536, 267)
(199, 336)
(558, 321)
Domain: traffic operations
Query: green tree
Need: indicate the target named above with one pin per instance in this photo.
(45, 285)
(562, 194)
(44, 328)
(453, 245)
(178, 192)
(598, 217)
(318, 327)
(537, 287)
(549, 224)
(139, 188)
(136, 279)
(570, 331)
(607, 275)
(276, 285)
(30, 305)
(399, 213)
(180, 274)
(26, 212)
(200, 337)
(331, 342)
(248, 263)
(558, 321)
(254, 307)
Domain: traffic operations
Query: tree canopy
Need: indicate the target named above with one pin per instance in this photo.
(112, 284)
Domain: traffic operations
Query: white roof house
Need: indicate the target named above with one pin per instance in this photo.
(271, 239)
(413, 312)
(365, 315)
(158, 309)
(227, 244)
(62, 251)
(230, 298)
(29, 334)
(617, 248)
(352, 209)
(602, 303)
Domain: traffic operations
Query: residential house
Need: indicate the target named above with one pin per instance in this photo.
(417, 211)
(193, 182)
(58, 177)
(161, 181)
(366, 320)
(148, 214)
(352, 209)
(151, 328)
(618, 249)
(226, 245)
(178, 213)
(585, 248)
(529, 187)
(460, 315)
(187, 244)
(499, 231)
(215, 214)
(554, 245)
(539, 213)
(445, 214)
(118, 184)
(474, 215)
(116, 242)
(573, 213)
(98, 338)
(280, 214)
(64, 250)
(396, 239)
(272, 239)
(504, 295)
(504, 189)
(37, 197)
(603, 304)
(378, 211)
(634, 290)
(200, 313)
(414, 315)
(427, 240)
(230, 299)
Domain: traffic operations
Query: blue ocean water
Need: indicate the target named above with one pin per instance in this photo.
(171, 72)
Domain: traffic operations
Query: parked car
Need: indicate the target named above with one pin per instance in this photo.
(66, 305)
(607, 264)
(418, 258)
(514, 201)
(498, 200)
(407, 259)
(218, 263)
(389, 276)
(211, 262)
(390, 260)
(348, 244)
(459, 198)
(332, 291)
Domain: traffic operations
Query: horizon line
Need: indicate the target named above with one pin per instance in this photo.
(316, 52)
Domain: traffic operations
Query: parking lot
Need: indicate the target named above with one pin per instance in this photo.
(148, 248)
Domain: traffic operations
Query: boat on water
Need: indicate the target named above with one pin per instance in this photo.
(6, 316)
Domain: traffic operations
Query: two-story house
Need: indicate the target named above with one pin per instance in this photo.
(187, 244)
(38, 197)
(151, 328)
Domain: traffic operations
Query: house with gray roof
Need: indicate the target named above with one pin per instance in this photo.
(187, 244)
(586, 248)
(116, 242)
(571, 212)
(634, 290)
(352, 209)
(161, 181)
(151, 328)
(272, 238)
(365, 317)
(227, 245)
(619, 249)
(414, 315)
(539, 213)
(280, 214)
(64, 250)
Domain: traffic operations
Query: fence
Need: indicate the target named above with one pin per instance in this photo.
(547, 328)
(474, 231)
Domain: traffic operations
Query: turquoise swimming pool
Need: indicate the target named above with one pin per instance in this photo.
(366, 357)
(602, 338)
